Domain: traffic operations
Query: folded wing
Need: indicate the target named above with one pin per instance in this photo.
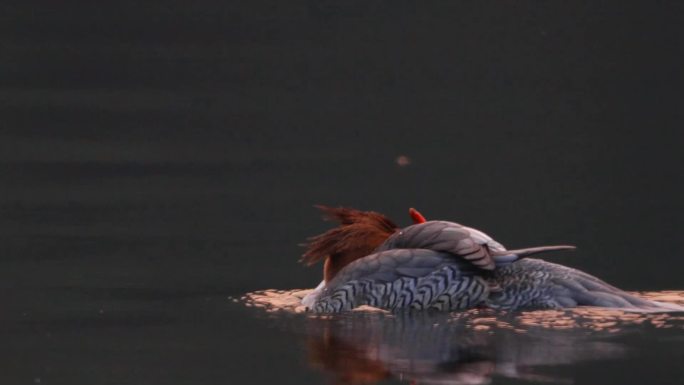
(446, 237)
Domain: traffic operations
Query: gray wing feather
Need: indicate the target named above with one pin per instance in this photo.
(404, 279)
(537, 283)
(441, 236)
(414, 271)
(390, 265)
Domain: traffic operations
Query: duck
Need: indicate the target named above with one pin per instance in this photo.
(441, 265)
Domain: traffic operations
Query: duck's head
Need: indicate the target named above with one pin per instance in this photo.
(359, 233)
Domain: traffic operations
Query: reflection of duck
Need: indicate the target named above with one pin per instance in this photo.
(443, 265)
(351, 364)
(439, 349)
(369, 346)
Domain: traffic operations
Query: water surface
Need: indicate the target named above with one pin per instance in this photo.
(479, 346)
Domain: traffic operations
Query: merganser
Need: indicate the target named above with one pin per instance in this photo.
(368, 260)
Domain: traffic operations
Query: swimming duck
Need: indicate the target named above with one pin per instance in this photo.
(369, 260)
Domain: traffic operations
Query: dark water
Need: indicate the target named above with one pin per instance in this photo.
(480, 346)
(159, 158)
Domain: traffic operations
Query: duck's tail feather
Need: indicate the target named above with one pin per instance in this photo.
(522, 253)
(508, 256)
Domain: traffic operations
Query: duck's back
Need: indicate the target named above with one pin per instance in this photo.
(535, 283)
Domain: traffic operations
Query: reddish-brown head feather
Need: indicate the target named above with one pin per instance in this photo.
(359, 233)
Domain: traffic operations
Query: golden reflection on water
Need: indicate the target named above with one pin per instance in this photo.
(471, 347)
(589, 318)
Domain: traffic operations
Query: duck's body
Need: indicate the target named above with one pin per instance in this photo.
(446, 266)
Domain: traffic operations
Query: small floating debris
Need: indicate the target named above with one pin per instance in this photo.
(403, 161)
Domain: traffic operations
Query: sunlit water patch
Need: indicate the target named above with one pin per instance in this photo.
(471, 347)
(590, 318)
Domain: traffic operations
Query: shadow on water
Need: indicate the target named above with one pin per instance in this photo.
(473, 347)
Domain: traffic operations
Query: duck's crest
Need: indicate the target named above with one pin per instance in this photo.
(359, 233)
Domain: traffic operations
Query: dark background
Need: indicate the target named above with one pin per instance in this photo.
(160, 150)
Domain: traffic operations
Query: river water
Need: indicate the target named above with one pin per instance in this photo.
(583, 345)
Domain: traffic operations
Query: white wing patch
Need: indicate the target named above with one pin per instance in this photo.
(310, 299)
